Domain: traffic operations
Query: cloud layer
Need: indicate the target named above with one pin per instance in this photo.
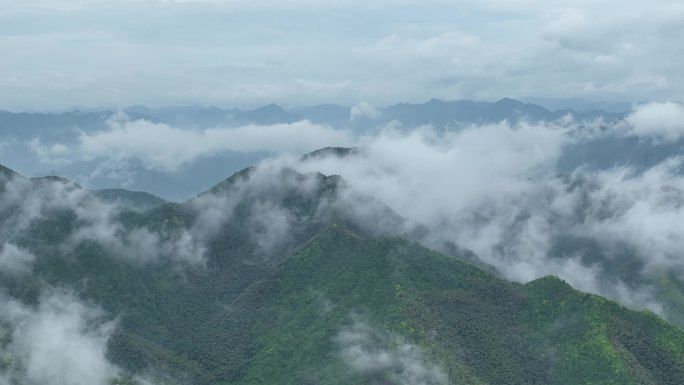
(307, 51)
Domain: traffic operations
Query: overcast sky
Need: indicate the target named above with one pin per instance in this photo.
(60, 53)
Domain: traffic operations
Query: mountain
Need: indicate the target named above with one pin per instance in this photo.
(456, 114)
(610, 151)
(52, 127)
(7, 172)
(335, 115)
(266, 115)
(270, 277)
(582, 105)
(136, 200)
(211, 117)
(186, 116)
(101, 174)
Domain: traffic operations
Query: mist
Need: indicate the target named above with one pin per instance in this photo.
(26, 206)
(379, 355)
(60, 341)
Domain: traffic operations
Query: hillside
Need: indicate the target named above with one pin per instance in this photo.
(137, 200)
(265, 280)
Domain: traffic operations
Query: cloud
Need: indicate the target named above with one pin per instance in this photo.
(658, 121)
(167, 148)
(606, 50)
(62, 341)
(461, 168)
(268, 207)
(386, 356)
(14, 259)
(26, 203)
(364, 110)
(641, 210)
(56, 153)
(270, 225)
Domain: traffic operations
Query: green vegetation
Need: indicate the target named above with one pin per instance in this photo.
(276, 318)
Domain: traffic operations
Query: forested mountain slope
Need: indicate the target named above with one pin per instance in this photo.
(270, 278)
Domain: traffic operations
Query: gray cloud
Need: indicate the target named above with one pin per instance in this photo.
(484, 49)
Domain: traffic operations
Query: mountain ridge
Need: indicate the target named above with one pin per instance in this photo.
(306, 304)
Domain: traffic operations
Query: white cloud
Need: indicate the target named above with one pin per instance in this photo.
(659, 121)
(24, 202)
(270, 224)
(14, 259)
(494, 190)
(364, 110)
(462, 168)
(62, 342)
(642, 210)
(168, 148)
(369, 351)
(56, 153)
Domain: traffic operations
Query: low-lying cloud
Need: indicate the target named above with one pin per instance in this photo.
(61, 341)
(364, 110)
(14, 259)
(383, 356)
(167, 148)
(658, 121)
(26, 203)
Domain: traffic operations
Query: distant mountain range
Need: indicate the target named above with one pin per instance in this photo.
(48, 143)
(440, 114)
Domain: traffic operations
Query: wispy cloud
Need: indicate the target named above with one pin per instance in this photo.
(61, 341)
(14, 259)
(26, 203)
(382, 356)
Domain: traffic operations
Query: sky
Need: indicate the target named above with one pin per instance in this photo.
(59, 54)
